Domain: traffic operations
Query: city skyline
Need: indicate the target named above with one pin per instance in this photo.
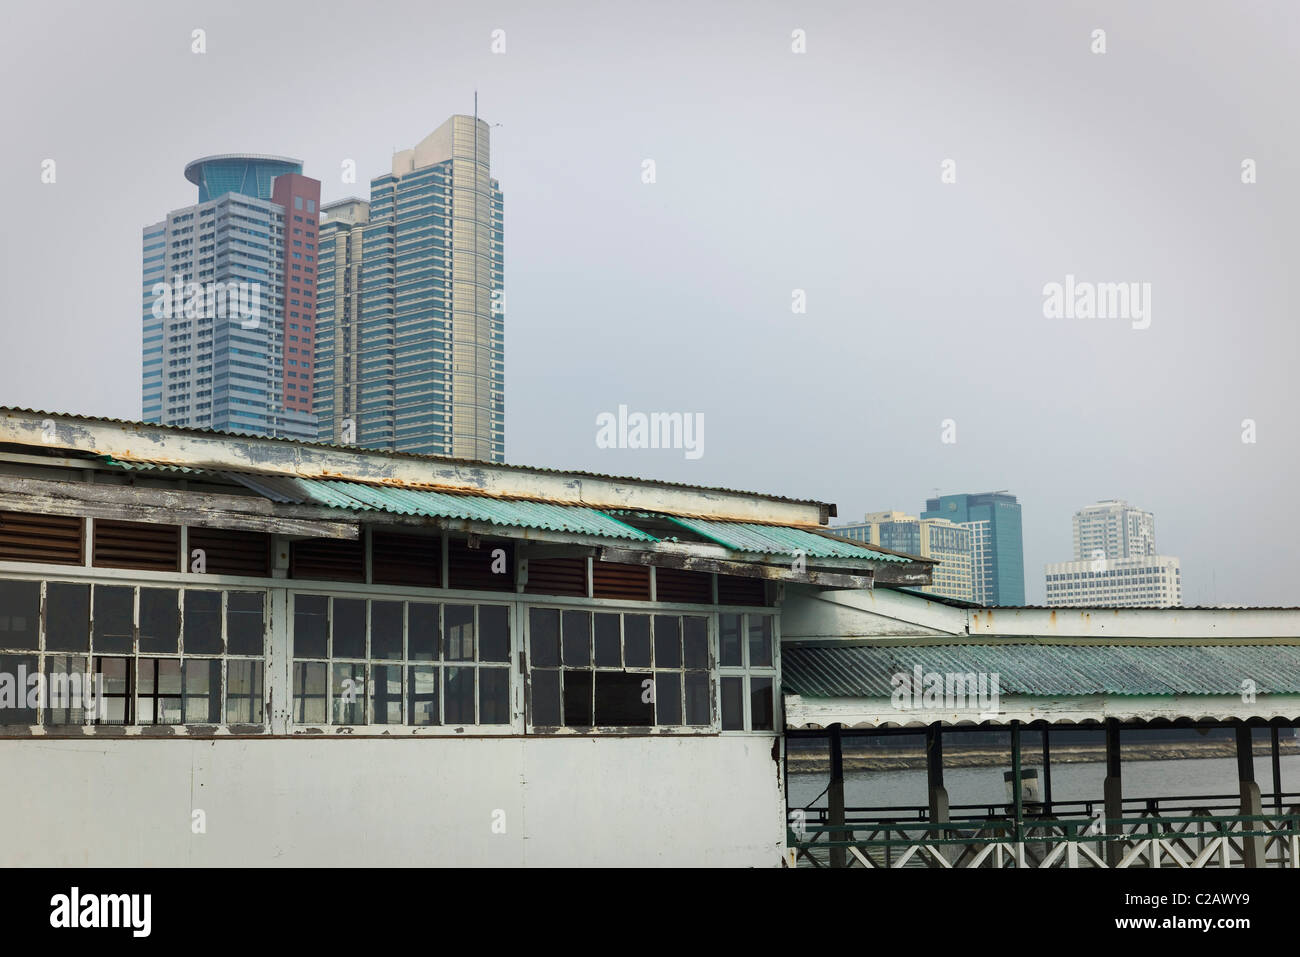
(676, 294)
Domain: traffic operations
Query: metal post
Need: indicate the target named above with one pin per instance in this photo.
(835, 798)
(1047, 770)
(1015, 781)
(1277, 770)
(1252, 848)
(1114, 791)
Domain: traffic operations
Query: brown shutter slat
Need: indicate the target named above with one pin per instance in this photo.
(53, 539)
(741, 591)
(327, 559)
(557, 576)
(471, 568)
(406, 559)
(612, 580)
(680, 585)
(138, 545)
(232, 552)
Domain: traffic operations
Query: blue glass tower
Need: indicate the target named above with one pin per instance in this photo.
(998, 557)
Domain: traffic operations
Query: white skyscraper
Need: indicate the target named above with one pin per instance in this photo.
(1115, 562)
(1115, 529)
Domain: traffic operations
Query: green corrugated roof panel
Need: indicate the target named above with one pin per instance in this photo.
(1044, 670)
(777, 540)
(575, 519)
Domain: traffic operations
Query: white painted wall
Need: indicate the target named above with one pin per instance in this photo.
(709, 801)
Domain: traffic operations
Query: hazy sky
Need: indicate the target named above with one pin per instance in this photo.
(775, 171)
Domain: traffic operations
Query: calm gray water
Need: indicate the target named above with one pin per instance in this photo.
(1070, 782)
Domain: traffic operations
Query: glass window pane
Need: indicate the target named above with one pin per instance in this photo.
(733, 704)
(20, 612)
(67, 616)
(159, 681)
(349, 693)
(309, 678)
(697, 698)
(386, 639)
(202, 622)
(458, 622)
(544, 640)
(695, 637)
(422, 632)
(668, 641)
(245, 628)
(494, 696)
(387, 694)
(160, 621)
(577, 638)
(729, 650)
(113, 677)
(21, 707)
(311, 627)
(668, 697)
(577, 698)
(636, 640)
(458, 695)
(760, 704)
(622, 700)
(422, 695)
(69, 691)
(244, 692)
(544, 699)
(609, 642)
(349, 628)
(202, 698)
(114, 619)
(493, 633)
(760, 641)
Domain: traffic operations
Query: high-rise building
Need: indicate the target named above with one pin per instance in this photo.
(410, 353)
(1115, 562)
(948, 543)
(228, 301)
(997, 547)
(1113, 529)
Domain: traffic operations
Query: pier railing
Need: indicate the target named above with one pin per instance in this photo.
(1198, 839)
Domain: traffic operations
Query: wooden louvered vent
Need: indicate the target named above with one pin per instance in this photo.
(679, 585)
(327, 559)
(139, 545)
(406, 559)
(53, 539)
(612, 580)
(471, 568)
(741, 591)
(557, 576)
(230, 552)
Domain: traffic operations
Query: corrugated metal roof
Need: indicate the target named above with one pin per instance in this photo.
(357, 496)
(1045, 670)
(778, 540)
(576, 519)
(216, 433)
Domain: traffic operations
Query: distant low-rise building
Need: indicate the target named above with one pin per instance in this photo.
(1144, 582)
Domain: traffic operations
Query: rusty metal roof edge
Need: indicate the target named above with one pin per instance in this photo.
(417, 456)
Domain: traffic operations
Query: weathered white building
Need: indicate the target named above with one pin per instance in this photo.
(317, 655)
